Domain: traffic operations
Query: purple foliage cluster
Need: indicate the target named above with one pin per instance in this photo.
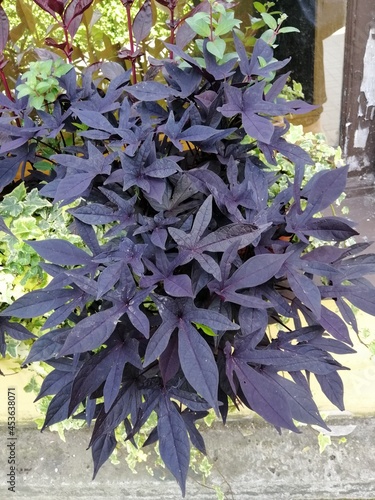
(170, 313)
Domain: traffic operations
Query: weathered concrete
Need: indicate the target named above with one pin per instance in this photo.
(251, 461)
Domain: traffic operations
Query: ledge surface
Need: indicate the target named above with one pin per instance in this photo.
(251, 461)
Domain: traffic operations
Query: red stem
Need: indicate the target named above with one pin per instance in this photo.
(68, 47)
(8, 93)
(6, 86)
(131, 39)
(172, 38)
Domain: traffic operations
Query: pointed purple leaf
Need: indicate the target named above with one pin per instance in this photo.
(48, 345)
(306, 290)
(333, 388)
(168, 360)
(142, 23)
(198, 364)
(102, 449)
(15, 330)
(58, 407)
(256, 271)
(159, 341)
(264, 396)
(91, 332)
(178, 286)
(37, 303)
(173, 441)
(300, 401)
(334, 325)
(60, 252)
(150, 91)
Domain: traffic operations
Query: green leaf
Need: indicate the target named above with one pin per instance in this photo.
(43, 165)
(323, 440)
(200, 23)
(289, 29)
(269, 20)
(205, 329)
(10, 207)
(80, 126)
(226, 24)
(37, 101)
(262, 61)
(32, 386)
(19, 193)
(257, 25)
(43, 87)
(217, 47)
(259, 7)
(268, 36)
(61, 69)
(26, 228)
(23, 89)
(35, 202)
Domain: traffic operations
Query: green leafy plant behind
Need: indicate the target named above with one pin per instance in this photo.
(41, 82)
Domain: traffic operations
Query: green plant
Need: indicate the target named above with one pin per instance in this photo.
(41, 83)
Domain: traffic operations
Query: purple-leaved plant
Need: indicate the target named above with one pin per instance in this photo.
(169, 311)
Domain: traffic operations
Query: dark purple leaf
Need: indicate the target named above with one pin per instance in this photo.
(360, 296)
(255, 271)
(334, 325)
(159, 341)
(108, 278)
(173, 441)
(4, 29)
(218, 71)
(15, 330)
(48, 345)
(189, 399)
(53, 7)
(94, 214)
(325, 187)
(262, 394)
(92, 332)
(329, 229)
(142, 23)
(60, 252)
(9, 164)
(114, 378)
(306, 290)
(91, 375)
(185, 80)
(107, 422)
(347, 313)
(331, 345)
(73, 14)
(195, 436)
(300, 401)
(150, 91)
(198, 364)
(58, 407)
(54, 382)
(169, 363)
(37, 303)
(102, 449)
(333, 388)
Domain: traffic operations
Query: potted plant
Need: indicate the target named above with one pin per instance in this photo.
(187, 257)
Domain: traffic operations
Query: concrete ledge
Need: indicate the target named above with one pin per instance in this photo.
(251, 461)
